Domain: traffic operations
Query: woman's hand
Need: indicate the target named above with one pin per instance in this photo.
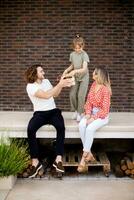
(90, 120)
(87, 116)
(82, 114)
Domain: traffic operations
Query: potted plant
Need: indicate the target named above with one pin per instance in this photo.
(14, 159)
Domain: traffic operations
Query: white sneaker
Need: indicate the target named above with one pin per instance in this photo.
(74, 115)
(78, 117)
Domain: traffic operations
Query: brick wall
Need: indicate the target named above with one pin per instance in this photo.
(41, 31)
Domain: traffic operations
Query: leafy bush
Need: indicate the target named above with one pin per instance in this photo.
(14, 158)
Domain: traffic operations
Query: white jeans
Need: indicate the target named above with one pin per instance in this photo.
(87, 131)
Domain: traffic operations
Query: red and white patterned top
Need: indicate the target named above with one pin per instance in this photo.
(100, 100)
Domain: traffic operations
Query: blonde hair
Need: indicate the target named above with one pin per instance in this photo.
(78, 41)
(103, 77)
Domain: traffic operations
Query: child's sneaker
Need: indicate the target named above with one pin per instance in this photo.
(74, 115)
(78, 117)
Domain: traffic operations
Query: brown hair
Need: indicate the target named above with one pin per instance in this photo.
(31, 73)
(78, 41)
(103, 77)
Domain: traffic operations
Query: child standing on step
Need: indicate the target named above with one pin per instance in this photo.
(79, 70)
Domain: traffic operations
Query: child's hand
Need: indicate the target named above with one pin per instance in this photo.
(64, 73)
(72, 73)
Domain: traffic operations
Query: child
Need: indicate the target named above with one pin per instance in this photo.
(79, 69)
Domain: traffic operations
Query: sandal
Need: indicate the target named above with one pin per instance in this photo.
(89, 158)
(82, 168)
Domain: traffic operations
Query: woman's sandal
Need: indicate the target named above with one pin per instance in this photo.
(82, 168)
(89, 158)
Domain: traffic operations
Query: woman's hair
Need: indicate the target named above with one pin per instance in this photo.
(103, 77)
(31, 74)
(78, 41)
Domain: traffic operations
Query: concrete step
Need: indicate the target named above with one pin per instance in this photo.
(14, 124)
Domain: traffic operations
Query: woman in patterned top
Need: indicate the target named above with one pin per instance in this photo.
(96, 113)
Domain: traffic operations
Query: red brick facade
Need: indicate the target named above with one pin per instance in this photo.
(41, 31)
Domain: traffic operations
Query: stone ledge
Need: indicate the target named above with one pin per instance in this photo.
(14, 124)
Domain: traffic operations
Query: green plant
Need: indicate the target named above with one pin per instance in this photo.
(14, 157)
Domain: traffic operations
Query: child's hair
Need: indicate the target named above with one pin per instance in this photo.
(78, 41)
(31, 73)
(103, 77)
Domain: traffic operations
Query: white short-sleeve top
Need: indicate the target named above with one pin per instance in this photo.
(40, 104)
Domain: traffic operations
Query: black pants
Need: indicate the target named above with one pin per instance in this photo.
(41, 118)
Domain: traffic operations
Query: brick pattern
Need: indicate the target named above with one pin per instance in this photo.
(38, 31)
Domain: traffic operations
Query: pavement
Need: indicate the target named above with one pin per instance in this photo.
(83, 188)
(3, 194)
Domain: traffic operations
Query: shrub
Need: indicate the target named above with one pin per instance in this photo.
(14, 157)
